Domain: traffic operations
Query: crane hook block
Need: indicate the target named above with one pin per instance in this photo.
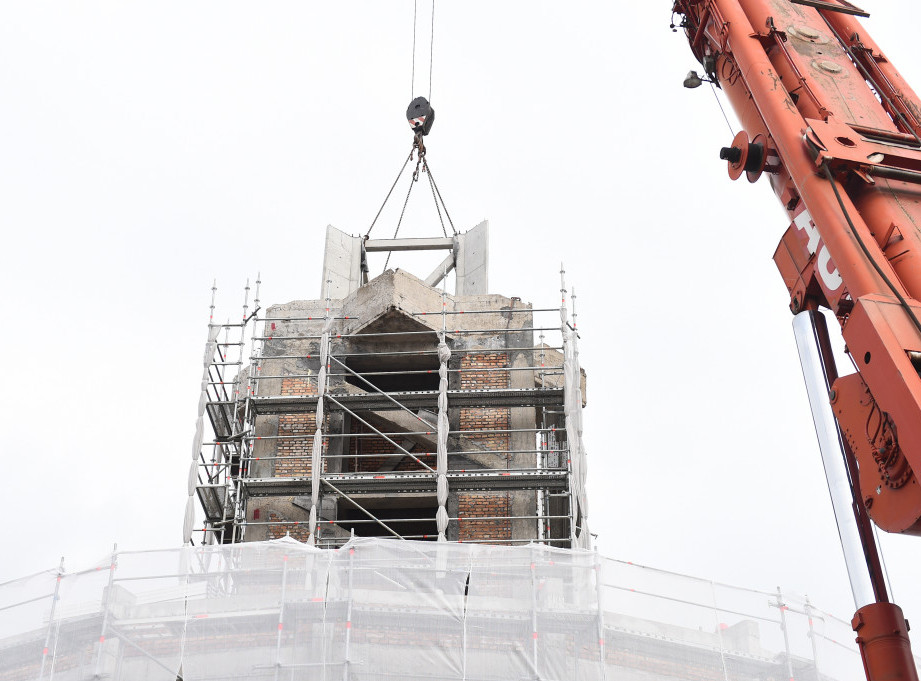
(420, 115)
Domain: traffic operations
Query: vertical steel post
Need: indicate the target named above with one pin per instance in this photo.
(54, 602)
(815, 649)
(719, 632)
(105, 613)
(564, 321)
(599, 591)
(782, 607)
(281, 615)
(239, 519)
(348, 614)
(536, 671)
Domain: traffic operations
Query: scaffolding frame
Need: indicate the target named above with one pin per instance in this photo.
(225, 465)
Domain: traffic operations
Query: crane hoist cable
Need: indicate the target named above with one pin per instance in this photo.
(412, 82)
(431, 49)
(421, 117)
(412, 87)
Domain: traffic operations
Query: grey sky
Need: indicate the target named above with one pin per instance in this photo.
(148, 148)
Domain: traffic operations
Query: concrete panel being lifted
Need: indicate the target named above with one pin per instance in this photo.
(473, 261)
(343, 266)
(341, 263)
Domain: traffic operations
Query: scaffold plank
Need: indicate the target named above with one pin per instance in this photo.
(507, 397)
(377, 483)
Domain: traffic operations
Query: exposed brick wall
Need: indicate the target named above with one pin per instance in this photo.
(298, 386)
(301, 531)
(474, 377)
(471, 379)
(302, 427)
(487, 418)
(472, 505)
(294, 453)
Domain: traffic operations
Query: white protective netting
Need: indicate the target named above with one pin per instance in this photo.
(380, 609)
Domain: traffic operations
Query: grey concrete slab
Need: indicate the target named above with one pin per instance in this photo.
(341, 263)
(473, 261)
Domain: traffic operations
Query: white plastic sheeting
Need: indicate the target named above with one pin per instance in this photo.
(210, 347)
(380, 609)
(441, 460)
(572, 409)
(316, 452)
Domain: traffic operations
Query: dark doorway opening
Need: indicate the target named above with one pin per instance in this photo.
(416, 516)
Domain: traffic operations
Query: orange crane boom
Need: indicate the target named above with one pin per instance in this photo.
(831, 123)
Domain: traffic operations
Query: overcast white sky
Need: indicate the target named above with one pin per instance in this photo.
(148, 148)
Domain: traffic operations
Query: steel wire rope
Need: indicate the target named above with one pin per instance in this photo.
(720, 104)
(866, 251)
(399, 222)
(438, 191)
(435, 199)
(392, 187)
(412, 84)
(431, 49)
(882, 559)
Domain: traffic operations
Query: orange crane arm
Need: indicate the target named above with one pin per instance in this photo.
(831, 123)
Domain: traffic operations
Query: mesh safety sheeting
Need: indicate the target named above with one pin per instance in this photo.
(380, 609)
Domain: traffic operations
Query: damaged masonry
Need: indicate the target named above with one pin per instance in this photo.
(391, 408)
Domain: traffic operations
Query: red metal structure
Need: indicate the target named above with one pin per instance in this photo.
(837, 132)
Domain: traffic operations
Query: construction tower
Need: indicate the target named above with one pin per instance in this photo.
(390, 407)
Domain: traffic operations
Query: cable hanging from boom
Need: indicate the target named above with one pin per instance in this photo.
(421, 116)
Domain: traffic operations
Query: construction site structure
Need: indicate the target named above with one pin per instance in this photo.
(391, 408)
(384, 609)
